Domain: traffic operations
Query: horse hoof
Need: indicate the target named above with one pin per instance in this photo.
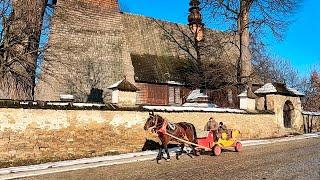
(177, 157)
(167, 160)
(158, 161)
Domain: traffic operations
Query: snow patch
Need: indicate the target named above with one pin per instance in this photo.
(192, 109)
(196, 94)
(201, 105)
(243, 94)
(311, 113)
(88, 105)
(296, 92)
(115, 85)
(267, 88)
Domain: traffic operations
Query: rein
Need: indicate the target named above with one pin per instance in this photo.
(159, 128)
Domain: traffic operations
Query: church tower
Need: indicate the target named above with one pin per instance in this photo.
(87, 50)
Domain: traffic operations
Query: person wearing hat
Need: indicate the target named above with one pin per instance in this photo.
(212, 125)
(222, 127)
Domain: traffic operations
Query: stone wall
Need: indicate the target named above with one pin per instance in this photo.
(26, 135)
(275, 103)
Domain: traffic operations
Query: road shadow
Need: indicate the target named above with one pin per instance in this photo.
(153, 145)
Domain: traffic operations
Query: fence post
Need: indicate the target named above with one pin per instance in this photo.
(311, 124)
(304, 123)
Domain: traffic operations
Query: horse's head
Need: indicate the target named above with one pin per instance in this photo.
(151, 122)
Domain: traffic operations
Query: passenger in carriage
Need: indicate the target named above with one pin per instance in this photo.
(222, 127)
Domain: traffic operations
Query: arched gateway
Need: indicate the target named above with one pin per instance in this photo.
(288, 112)
(285, 102)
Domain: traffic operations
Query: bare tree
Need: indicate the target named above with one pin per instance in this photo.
(312, 92)
(211, 58)
(209, 51)
(85, 77)
(251, 17)
(22, 24)
(275, 69)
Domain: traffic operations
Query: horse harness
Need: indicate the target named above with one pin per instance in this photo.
(165, 126)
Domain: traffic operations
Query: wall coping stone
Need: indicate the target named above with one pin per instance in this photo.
(49, 105)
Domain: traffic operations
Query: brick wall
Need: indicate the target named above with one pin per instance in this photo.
(26, 135)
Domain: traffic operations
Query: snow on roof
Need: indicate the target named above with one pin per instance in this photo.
(174, 83)
(192, 109)
(196, 94)
(66, 96)
(201, 105)
(278, 88)
(115, 85)
(311, 113)
(296, 92)
(88, 105)
(267, 88)
(58, 103)
(243, 94)
(124, 85)
(28, 103)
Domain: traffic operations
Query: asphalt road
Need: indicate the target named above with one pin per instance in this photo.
(289, 160)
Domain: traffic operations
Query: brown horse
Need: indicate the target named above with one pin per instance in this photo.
(182, 130)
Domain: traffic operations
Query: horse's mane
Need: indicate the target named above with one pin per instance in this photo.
(160, 117)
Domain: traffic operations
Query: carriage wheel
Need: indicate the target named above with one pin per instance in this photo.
(216, 150)
(238, 147)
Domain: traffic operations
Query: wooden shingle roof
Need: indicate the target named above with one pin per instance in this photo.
(161, 69)
(278, 88)
(124, 85)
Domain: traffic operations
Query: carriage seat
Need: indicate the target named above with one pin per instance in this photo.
(229, 134)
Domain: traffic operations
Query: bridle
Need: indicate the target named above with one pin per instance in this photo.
(155, 127)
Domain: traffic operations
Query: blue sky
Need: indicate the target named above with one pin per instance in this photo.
(301, 43)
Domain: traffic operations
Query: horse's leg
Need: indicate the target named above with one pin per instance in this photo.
(182, 147)
(167, 152)
(195, 151)
(160, 154)
(165, 143)
(179, 153)
(191, 135)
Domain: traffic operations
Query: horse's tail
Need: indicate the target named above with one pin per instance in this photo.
(194, 134)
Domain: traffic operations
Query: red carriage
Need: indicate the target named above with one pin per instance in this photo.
(185, 133)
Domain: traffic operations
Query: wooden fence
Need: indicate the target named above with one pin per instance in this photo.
(311, 121)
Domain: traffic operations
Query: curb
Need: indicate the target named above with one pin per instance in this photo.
(70, 165)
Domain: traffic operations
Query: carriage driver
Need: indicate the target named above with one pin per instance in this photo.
(212, 125)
